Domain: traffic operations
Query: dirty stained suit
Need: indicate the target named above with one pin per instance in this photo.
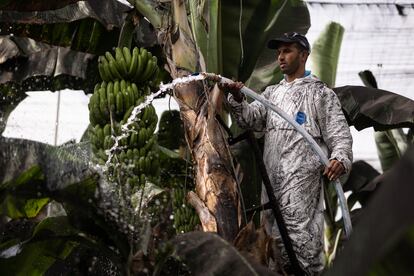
(294, 169)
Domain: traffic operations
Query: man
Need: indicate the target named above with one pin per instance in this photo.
(295, 171)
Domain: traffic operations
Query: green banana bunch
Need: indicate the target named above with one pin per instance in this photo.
(137, 66)
(110, 107)
(185, 217)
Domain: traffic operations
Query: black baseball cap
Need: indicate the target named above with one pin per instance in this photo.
(290, 38)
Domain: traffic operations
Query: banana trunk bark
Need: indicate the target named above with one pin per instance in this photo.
(216, 197)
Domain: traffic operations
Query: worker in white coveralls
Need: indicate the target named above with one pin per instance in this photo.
(294, 169)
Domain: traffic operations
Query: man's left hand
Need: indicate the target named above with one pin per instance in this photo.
(334, 169)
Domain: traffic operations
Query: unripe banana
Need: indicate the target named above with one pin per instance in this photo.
(127, 101)
(102, 72)
(119, 103)
(114, 70)
(149, 69)
(103, 103)
(127, 56)
(131, 95)
(136, 92)
(107, 130)
(142, 62)
(119, 57)
(117, 88)
(134, 63)
(123, 85)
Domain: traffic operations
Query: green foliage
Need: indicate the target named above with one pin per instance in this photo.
(391, 144)
(85, 227)
(245, 55)
(53, 241)
(16, 197)
(325, 53)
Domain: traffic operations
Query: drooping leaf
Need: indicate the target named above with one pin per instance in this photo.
(46, 12)
(85, 35)
(61, 166)
(325, 53)
(43, 60)
(368, 107)
(390, 143)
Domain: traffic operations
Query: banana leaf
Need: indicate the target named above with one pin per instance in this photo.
(368, 79)
(151, 10)
(391, 144)
(183, 50)
(38, 66)
(208, 254)
(384, 228)
(42, 59)
(50, 247)
(221, 47)
(110, 12)
(369, 107)
(245, 52)
(325, 53)
(61, 166)
(362, 182)
(68, 179)
(25, 205)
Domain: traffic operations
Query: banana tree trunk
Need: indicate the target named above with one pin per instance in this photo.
(216, 197)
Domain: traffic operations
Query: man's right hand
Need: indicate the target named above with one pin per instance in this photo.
(234, 89)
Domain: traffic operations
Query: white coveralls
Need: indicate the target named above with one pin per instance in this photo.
(294, 169)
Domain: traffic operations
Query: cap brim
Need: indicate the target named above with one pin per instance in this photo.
(274, 43)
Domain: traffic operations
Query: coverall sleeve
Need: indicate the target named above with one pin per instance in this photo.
(249, 116)
(334, 128)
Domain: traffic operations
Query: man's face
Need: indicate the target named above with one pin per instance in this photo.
(290, 58)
